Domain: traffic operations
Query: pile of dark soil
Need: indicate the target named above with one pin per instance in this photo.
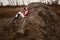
(41, 24)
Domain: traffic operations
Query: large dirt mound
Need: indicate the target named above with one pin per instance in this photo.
(41, 24)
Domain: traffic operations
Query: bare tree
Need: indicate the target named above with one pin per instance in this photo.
(58, 2)
(23, 2)
(16, 2)
(11, 2)
(1, 4)
(28, 1)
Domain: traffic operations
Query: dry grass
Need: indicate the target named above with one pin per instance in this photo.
(41, 24)
(56, 9)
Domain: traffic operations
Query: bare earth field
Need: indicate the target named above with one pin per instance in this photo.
(9, 11)
(43, 23)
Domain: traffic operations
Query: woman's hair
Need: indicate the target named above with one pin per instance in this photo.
(25, 7)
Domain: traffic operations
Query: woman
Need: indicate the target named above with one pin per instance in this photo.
(22, 14)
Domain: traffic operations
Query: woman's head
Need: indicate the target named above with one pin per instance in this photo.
(25, 8)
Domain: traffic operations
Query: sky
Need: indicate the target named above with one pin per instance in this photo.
(5, 2)
(20, 2)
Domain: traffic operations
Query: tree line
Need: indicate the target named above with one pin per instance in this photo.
(16, 2)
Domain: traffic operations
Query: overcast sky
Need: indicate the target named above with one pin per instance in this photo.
(26, 2)
(5, 2)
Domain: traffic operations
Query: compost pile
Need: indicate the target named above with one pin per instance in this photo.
(41, 24)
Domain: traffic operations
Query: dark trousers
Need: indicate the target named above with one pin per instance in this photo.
(15, 18)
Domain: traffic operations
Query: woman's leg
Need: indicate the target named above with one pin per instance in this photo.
(16, 17)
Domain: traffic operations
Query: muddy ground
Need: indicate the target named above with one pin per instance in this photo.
(43, 23)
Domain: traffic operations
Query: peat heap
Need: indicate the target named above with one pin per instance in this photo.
(41, 24)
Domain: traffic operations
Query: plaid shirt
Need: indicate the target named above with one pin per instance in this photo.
(26, 11)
